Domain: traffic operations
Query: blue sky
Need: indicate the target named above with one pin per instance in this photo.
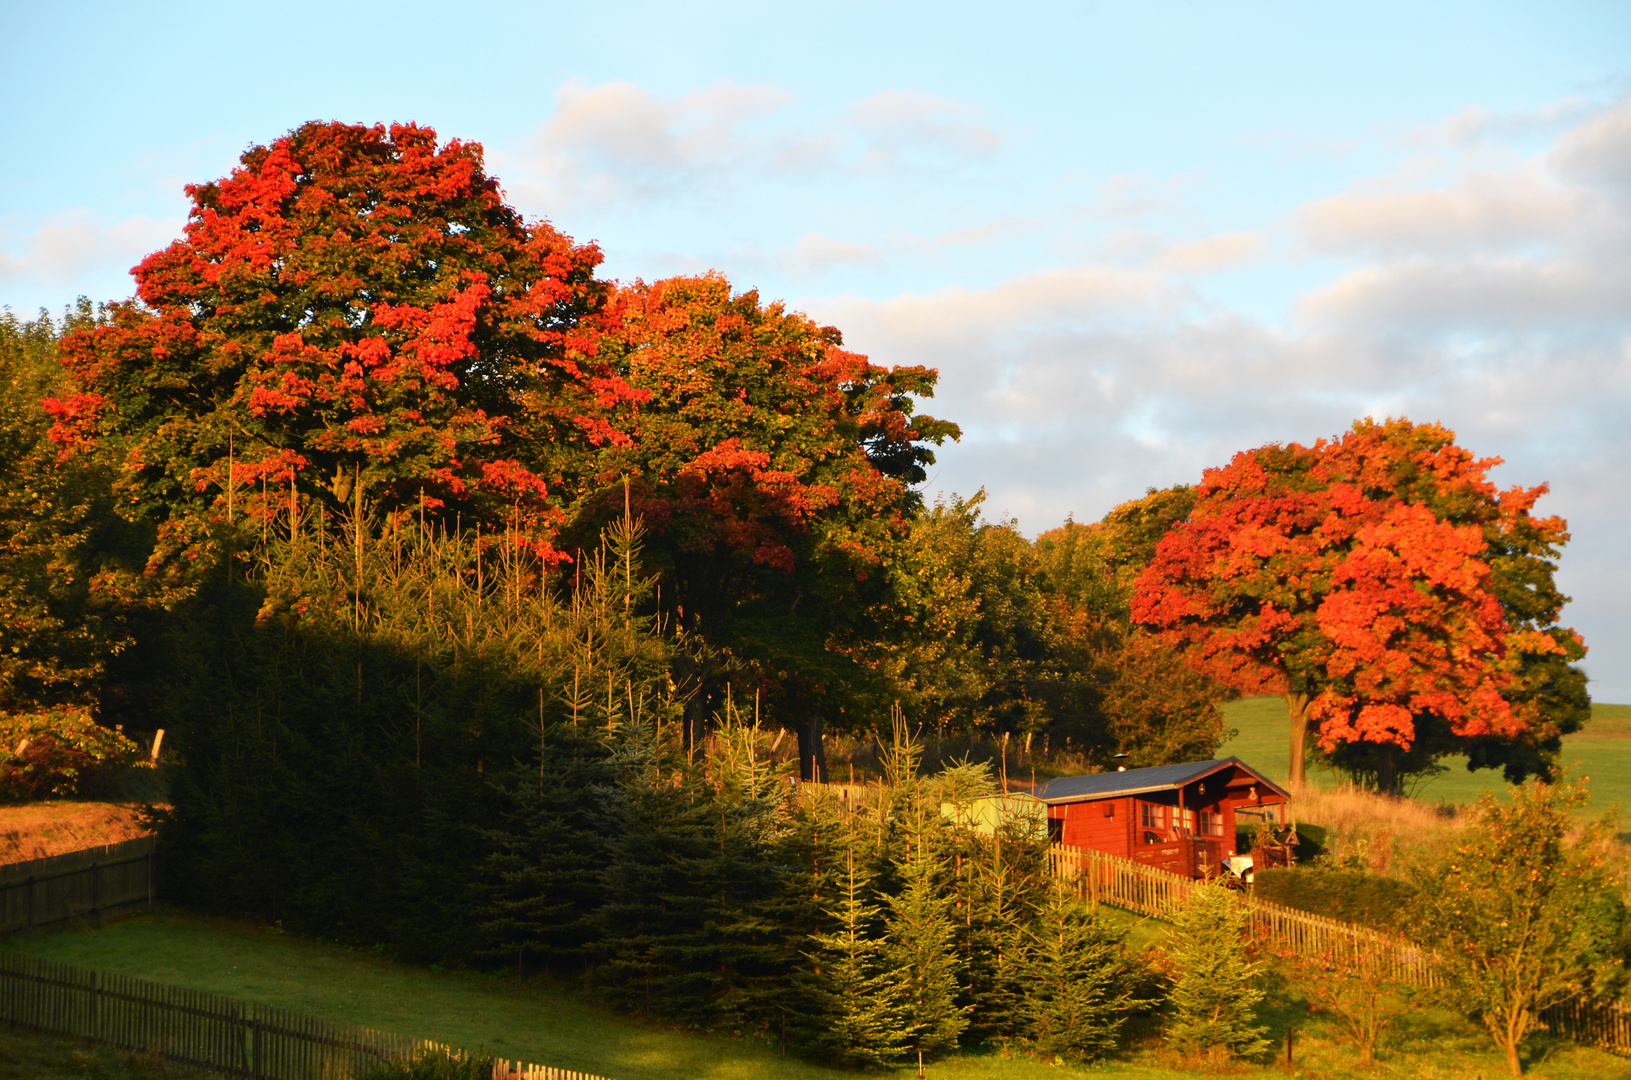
(1134, 237)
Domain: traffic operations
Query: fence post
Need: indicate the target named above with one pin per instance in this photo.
(96, 894)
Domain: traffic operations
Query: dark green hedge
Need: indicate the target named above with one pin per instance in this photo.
(1350, 895)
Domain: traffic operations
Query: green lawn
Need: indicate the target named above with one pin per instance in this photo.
(549, 1025)
(1601, 751)
(44, 1057)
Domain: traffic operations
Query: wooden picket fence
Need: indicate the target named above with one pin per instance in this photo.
(1605, 1024)
(81, 884)
(242, 1038)
(1109, 879)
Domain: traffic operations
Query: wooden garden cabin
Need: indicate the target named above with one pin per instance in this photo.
(1175, 817)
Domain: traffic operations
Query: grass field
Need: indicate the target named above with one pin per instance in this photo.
(1601, 751)
(548, 1024)
(43, 1057)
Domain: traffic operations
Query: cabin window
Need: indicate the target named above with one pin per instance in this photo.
(1153, 816)
(1211, 823)
(1184, 819)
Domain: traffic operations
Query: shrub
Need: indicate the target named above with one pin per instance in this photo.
(1349, 895)
(58, 752)
(436, 1063)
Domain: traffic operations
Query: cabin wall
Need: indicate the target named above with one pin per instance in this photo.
(1102, 824)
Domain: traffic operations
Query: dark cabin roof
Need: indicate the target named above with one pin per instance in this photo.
(1139, 781)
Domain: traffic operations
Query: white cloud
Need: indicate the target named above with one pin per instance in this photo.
(620, 141)
(1497, 301)
(1214, 252)
(76, 244)
(898, 121)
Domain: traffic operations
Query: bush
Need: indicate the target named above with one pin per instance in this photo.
(435, 1064)
(1349, 895)
(58, 752)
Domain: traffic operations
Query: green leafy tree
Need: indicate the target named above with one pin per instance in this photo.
(1080, 983)
(59, 613)
(1520, 917)
(1214, 993)
(1360, 991)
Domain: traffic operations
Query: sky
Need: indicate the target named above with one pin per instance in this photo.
(1133, 238)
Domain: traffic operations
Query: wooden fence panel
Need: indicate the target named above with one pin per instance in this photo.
(90, 883)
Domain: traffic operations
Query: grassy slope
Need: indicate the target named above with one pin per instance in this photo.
(44, 1057)
(549, 1025)
(1601, 751)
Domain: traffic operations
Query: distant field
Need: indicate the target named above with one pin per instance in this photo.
(1600, 752)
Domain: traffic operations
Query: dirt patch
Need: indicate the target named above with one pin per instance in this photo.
(38, 830)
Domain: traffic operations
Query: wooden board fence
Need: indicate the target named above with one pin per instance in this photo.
(1604, 1024)
(211, 1030)
(81, 884)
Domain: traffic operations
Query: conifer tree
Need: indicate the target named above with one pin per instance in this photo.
(1214, 999)
(687, 887)
(1080, 984)
(857, 1013)
(919, 948)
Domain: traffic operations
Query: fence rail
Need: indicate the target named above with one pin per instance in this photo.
(90, 883)
(241, 1038)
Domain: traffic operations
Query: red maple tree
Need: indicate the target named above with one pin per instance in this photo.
(354, 308)
(1359, 579)
(772, 468)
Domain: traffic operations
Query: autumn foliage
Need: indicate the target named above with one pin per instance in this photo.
(1379, 581)
(354, 307)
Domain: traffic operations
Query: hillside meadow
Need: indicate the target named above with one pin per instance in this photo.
(546, 1022)
(1600, 752)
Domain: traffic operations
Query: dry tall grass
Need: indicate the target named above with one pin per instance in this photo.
(1376, 831)
(36, 830)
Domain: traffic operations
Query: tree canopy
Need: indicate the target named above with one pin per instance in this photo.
(354, 307)
(1382, 584)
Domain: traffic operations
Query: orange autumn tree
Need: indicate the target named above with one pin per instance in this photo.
(773, 470)
(1382, 585)
(354, 319)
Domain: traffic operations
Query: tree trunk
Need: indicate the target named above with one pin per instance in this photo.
(1387, 780)
(1297, 713)
(1513, 1064)
(812, 754)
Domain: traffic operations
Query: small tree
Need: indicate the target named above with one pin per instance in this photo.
(1081, 983)
(855, 1006)
(1214, 998)
(1521, 920)
(1360, 992)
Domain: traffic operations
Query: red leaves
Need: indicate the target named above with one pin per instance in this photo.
(1354, 570)
(361, 298)
(74, 422)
